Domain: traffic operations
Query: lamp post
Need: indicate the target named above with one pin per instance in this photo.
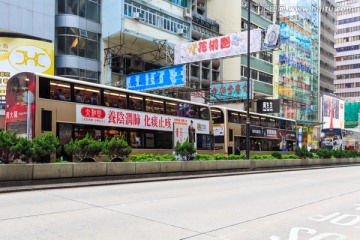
(28, 109)
(248, 84)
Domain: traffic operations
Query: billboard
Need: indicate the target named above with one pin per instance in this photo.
(229, 91)
(114, 117)
(352, 110)
(219, 47)
(23, 55)
(333, 112)
(156, 79)
(268, 106)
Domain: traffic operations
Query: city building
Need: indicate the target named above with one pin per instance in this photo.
(327, 47)
(234, 69)
(348, 50)
(78, 39)
(298, 87)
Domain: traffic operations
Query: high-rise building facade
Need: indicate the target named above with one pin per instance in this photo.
(348, 50)
(327, 47)
(299, 62)
(78, 39)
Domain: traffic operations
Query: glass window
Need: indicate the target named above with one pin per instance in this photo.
(272, 122)
(72, 7)
(92, 11)
(264, 121)
(233, 117)
(87, 94)
(163, 140)
(114, 99)
(137, 139)
(82, 47)
(81, 131)
(205, 142)
(135, 102)
(46, 120)
(117, 133)
(65, 133)
(91, 50)
(204, 113)
(60, 45)
(171, 108)
(61, 6)
(243, 118)
(255, 120)
(183, 109)
(217, 115)
(194, 111)
(71, 45)
(60, 91)
(154, 105)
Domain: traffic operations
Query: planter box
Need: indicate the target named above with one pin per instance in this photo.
(147, 167)
(89, 169)
(166, 167)
(48, 171)
(120, 168)
(14, 172)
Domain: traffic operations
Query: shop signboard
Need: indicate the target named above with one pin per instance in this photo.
(115, 117)
(229, 91)
(157, 79)
(219, 47)
(268, 106)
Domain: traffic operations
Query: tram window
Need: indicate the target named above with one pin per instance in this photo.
(87, 94)
(163, 140)
(118, 134)
(204, 113)
(194, 111)
(282, 124)
(233, 117)
(217, 115)
(183, 109)
(242, 118)
(272, 122)
(289, 125)
(277, 123)
(60, 91)
(264, 121)
(44, 88)
(135, 102)
(154, 105)
(254, 120)
(114, 99)
(46, 120)
(171, 108)
(137, 139)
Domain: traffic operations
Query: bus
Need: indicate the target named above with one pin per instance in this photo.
(70, 109)
(338, 138)
(268, 133)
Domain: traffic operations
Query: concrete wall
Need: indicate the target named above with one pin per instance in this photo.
(16, 172)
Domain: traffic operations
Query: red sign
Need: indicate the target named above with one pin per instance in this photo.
(92, 112)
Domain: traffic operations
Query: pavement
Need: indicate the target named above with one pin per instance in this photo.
(33, 185)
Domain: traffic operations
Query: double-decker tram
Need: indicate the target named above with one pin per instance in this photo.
(267, 133)
(338, 138)
(71, 109)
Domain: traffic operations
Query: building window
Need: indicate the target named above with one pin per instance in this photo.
(89, 9)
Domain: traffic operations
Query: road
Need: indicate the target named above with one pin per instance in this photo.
(321, 204)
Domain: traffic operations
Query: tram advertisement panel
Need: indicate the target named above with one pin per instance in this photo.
(18, 89)
(115, 117)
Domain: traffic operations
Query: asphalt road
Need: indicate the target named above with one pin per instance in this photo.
(321, 204)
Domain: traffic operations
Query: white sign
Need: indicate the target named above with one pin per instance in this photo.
(198, 97)
(115, 117)
(272, 35)
(220, 47)
(219, 129)
(180, 132)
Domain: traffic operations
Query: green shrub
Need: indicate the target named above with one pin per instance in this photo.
(303, 152)
(220, 156)
(276, 155)
(142, 157)
(236, 157)
(324, 153)
(43, 147)
(261, 157)
(23, 149)
(117, 149)
(204, 157)
(7, 140)
(84, 149)
(165, 157)
(185, 150)
(290, 156)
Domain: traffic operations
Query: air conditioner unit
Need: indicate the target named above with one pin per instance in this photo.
(181, 31)
(138, 15)
(187, 13)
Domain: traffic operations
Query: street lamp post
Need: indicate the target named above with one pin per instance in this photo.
(28, 110)
(248, 84)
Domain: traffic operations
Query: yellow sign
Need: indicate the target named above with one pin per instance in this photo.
(24, 55)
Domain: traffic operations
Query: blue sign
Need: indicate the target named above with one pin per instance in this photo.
(156, 79)
(229, 91)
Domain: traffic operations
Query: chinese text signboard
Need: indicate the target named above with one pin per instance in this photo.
(23, 55)
(229, 91)
(220, 47)
(160, 78)
(132, 119)
(268, 106)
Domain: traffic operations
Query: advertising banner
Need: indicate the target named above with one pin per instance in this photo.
(180, 132)
(23, 55)
(198, 97)
(219, 129)
(268, 106)
(156, 79)
(229, 91)
(333, 112)
(352, 110)
(219, 47)
(115, 117)
(272, 35)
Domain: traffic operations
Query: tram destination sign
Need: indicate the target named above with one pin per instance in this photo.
(268, 106)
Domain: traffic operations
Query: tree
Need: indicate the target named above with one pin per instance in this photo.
(7, 140)
(44, 146)
(23, 149)
(117, 149)
(84, 149)
(185, 150)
